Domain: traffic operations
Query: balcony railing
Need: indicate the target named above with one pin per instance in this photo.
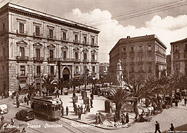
(64, 39)
(85, 43)
(51, 60)
(51, 37)
(85, 60)
(76, 41)
(76, 60)
(37, 35)
(94, 61)
(22, 58)
(21, 33)
(38, 59)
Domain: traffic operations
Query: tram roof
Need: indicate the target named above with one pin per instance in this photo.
(48, 99)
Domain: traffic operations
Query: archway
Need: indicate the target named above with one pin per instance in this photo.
(66, 74)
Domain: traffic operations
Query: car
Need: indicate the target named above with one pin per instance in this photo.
(3, 109)
(25, 115)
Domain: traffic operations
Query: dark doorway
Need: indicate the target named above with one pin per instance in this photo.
(66, 74)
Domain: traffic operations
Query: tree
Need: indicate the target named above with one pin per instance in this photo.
(119, 96)
(49, 84)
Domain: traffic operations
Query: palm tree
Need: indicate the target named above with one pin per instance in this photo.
(119, 96)
(49, 84)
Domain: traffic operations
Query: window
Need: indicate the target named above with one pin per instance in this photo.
(76, 69)
(149, 48)
(76, 38)
(51, 53)
(4, 27)
(64, 54)
(132, 49)
(93, 40)
(22, 70)
(22, 51)
(76, 55)
(85, 56)
(140, 48)
(93, 57)
(124, 49)
(149, 68)
(185, 48)
(38, 70)
(93, 69)
(37, 53)
(37, 30)
(85, 40)
(52, 70)
(50, 33)
(21, 27)
(64, 35)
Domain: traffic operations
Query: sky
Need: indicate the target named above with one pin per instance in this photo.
(116, 19)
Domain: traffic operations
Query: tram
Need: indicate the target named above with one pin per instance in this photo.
(47, 107)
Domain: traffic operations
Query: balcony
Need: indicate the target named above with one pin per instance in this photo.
(37, 35)
(51, 37)
(22, 58)
(65, 40)
(93, 61)
(51, 60)
(38, 59)
(76, 60)
(21, 33)
(85, 43)
(85, 61)
(76, 41)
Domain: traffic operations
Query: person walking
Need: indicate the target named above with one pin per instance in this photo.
(185, 101)
(23, 130)
(2, 119)
(12, 121)
(91, 103)
(172, 127)
(67, 110)
(127, 118)
(157, 127)
(62, 111)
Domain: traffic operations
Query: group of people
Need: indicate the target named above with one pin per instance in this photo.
(125, 118)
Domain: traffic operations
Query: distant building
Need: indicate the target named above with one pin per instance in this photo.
(103, 68)
(141, 56)
(168, 63)
(179, 56)
(34, 44)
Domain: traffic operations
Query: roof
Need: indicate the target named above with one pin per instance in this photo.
(138, 39)
(179, 41)
(49, 17)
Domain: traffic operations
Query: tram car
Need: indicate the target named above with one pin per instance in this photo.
(48, 107)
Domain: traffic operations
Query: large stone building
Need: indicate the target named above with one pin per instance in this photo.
(141, 56)
(168, 62)
(179, 57)
(34, 44)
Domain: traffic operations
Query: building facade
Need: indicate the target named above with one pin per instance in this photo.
(141, 57)
(34, 44)
(103, 69)
(168, 62)
(179, 57)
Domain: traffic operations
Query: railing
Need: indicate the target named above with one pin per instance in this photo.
(51, 37)
(76, 41)
(94, 61)
(21, 33)
(37, 35)
(38, 59)
(22, 58)
(85, 43)
(85, 60)
(64, 39)
(51, 60)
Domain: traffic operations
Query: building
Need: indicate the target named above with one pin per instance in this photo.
(179, 57)
(34, 44)
(168, 62)
(141, 56)
(103, 68)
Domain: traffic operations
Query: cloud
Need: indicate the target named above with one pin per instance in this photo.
(168, 29)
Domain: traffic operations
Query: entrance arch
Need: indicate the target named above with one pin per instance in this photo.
(66, 74)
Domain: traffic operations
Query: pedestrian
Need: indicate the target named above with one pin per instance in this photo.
(127, 118)
(67, 110)
(96, 118)
(2, 119)
(157, 127)
(81, 109)
(23, 130)
(79, 113)
(123, 119)
(2, 95)
(18, 104)
(185, 100)
(61, 102)
(91, 103)
(62, 111)
(12, 121)
(172, 127)
(91, 96)
(27, 100)
(75, 109)
(99, 117)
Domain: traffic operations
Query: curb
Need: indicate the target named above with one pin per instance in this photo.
(112, 128)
